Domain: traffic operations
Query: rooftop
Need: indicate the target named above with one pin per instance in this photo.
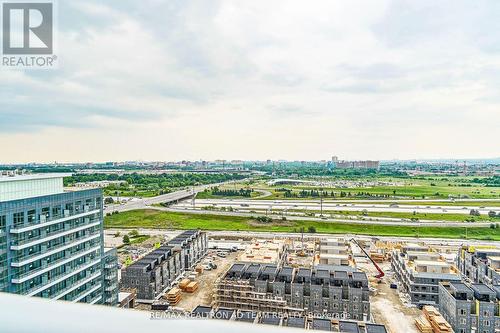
(248, 316)
(20, 187)
(375, 328)
(348, 327)
(431, 263)
(483, 289)
(460, 287)
(4, 179)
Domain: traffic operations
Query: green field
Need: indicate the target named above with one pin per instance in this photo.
(170, 220)
(210, 195)
(422, 203)
(407, 188)
(408, 216)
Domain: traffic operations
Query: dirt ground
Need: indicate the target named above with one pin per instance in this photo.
(386, 306)
(203, 296)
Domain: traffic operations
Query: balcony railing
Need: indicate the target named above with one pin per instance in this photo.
(28, 258)
(69, 289)
(66, 275)
(95, 299)
(21, 244)
(93, 287)
(19, 228)
(54, 264)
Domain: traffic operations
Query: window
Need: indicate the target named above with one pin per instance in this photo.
(18, 218)
(31, 216)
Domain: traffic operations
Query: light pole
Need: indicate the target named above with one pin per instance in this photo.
(321, 202)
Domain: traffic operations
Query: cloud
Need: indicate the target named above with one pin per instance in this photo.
(259, 79)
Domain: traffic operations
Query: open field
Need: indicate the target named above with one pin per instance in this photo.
(424, 203)
(149, 218)
(399, 188)
(409, 216)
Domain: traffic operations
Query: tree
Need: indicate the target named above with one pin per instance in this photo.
(475, 212)
(108, 200)
(126, 239)
(134, 233)
(311, 229)
(492, 214)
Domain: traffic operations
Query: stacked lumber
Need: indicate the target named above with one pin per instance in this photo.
(423, 324)
(184, 283)
(174, 296)
(377, 256)
(199, 269)
(191, 287)
(437, 322)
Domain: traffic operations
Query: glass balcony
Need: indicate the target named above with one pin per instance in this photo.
(38, 255)
(80, 283)
(43, 222)
(90, 288)
(61, 277)
(17, 244)
(95, 299)
(54, 264)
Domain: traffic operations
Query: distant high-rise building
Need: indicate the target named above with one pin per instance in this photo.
(51, 241)
(342, 164)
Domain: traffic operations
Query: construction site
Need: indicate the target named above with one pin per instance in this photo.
(356, 284)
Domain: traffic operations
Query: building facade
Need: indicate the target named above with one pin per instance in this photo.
(267, 288)
(479, 265)
(303, 322)
(51, 241)
(470, 308)
(110, 272)
(156, 271)
(419, 273)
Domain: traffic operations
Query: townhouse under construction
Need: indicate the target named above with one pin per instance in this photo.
(159, 269)
(419, 271)
(342, 292)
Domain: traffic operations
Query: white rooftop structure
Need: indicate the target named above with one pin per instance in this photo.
(28, 186)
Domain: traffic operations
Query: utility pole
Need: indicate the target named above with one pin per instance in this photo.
(302, 237)
(321, 201)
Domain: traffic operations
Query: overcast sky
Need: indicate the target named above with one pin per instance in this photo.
(299, 80)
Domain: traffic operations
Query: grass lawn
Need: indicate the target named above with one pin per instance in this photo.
(404, 215)
(160, 219)
(411, 188)
(421, 203)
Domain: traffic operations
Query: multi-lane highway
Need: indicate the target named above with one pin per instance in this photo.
(314, 205)
(383, 221)
(136, 203)
(141, 203)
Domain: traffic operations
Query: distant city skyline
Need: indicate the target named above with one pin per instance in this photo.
(493, 160)
(191, 80)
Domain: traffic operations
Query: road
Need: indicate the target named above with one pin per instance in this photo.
(136, 203)
(307, 236)
(421, 223)
(314, 205)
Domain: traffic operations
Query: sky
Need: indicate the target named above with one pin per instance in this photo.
(299, 80)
